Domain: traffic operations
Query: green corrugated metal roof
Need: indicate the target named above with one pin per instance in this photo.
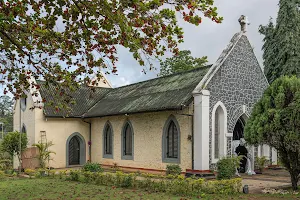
(164, 93)
(84, 97)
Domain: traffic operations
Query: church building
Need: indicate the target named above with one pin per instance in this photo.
(192, 118)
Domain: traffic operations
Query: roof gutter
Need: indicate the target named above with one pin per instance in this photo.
(148, 111)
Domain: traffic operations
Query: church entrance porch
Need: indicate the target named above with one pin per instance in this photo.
(239, 147)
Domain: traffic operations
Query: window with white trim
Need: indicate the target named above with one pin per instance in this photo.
(219, 143)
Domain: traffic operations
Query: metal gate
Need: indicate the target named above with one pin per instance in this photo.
(74, 151)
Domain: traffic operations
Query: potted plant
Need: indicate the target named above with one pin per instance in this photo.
(260, 164)
(43, 155)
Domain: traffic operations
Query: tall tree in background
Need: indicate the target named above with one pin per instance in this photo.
(67, 41)
(183, 61)
(6, 114)
(282, 42)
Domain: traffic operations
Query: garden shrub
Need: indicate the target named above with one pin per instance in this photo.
(74, 175)
(178, 185)
(92, 167)
(88, 176)
(2, 175)
(261, 162)
(52, 173)
(9, 171)
(173, 170)
(5, 164)
(226, 167)
(30, 172)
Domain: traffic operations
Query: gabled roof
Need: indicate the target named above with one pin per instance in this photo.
(164, 93)
(203, 83)
(222, 58)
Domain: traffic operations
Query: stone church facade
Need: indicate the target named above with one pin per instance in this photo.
(191, 118)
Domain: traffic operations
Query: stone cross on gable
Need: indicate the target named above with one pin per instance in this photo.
(244, 23)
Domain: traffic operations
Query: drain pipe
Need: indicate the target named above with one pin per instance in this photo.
(20, 138)
(192, 116)
(90, 139)
(193, 165)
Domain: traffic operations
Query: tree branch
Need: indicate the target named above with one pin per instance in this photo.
(12, 41)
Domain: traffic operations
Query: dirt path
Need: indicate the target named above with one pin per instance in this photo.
(256, 186)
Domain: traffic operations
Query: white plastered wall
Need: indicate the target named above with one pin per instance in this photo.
(201, 130)
(58, 131)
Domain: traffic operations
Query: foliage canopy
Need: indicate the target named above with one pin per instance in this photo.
(183, 61)
(6, 113)
(44, 153)
(11, 143)
(282, 42)
(275, 121)
(67, 42)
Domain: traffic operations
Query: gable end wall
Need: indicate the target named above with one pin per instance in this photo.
(239, 81)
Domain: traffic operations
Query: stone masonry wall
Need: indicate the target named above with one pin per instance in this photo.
(239, 81)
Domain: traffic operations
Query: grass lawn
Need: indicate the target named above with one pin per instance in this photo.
(57, 189)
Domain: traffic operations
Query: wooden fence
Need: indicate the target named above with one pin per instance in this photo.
(29, 160)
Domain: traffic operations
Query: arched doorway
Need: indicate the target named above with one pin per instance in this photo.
(76, 150)
(238, 146)
(238, 131)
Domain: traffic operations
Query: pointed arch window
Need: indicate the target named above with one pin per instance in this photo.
(219, 132)
(171, 141)
(23, 129)
(23, 103)
(108, 141)
(127, 141)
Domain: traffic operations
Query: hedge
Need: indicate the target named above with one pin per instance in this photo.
(178, 185)
(172, 184)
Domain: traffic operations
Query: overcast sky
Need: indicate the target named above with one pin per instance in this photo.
(207, 39)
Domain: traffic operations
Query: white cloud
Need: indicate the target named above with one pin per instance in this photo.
(208, 39)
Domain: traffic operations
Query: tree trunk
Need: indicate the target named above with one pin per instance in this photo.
(294, 179)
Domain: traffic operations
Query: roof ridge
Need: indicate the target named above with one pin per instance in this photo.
(174, 74)
(222, 58)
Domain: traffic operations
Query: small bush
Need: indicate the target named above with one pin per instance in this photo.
(92, 167)
(61, 174)
(52, 173)
(227, 167)
(88, 176)
(74, 175)
(5, 164)
(9, 171)
(261, 162)
(2, 175)
(29, 172)
(173, 170)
